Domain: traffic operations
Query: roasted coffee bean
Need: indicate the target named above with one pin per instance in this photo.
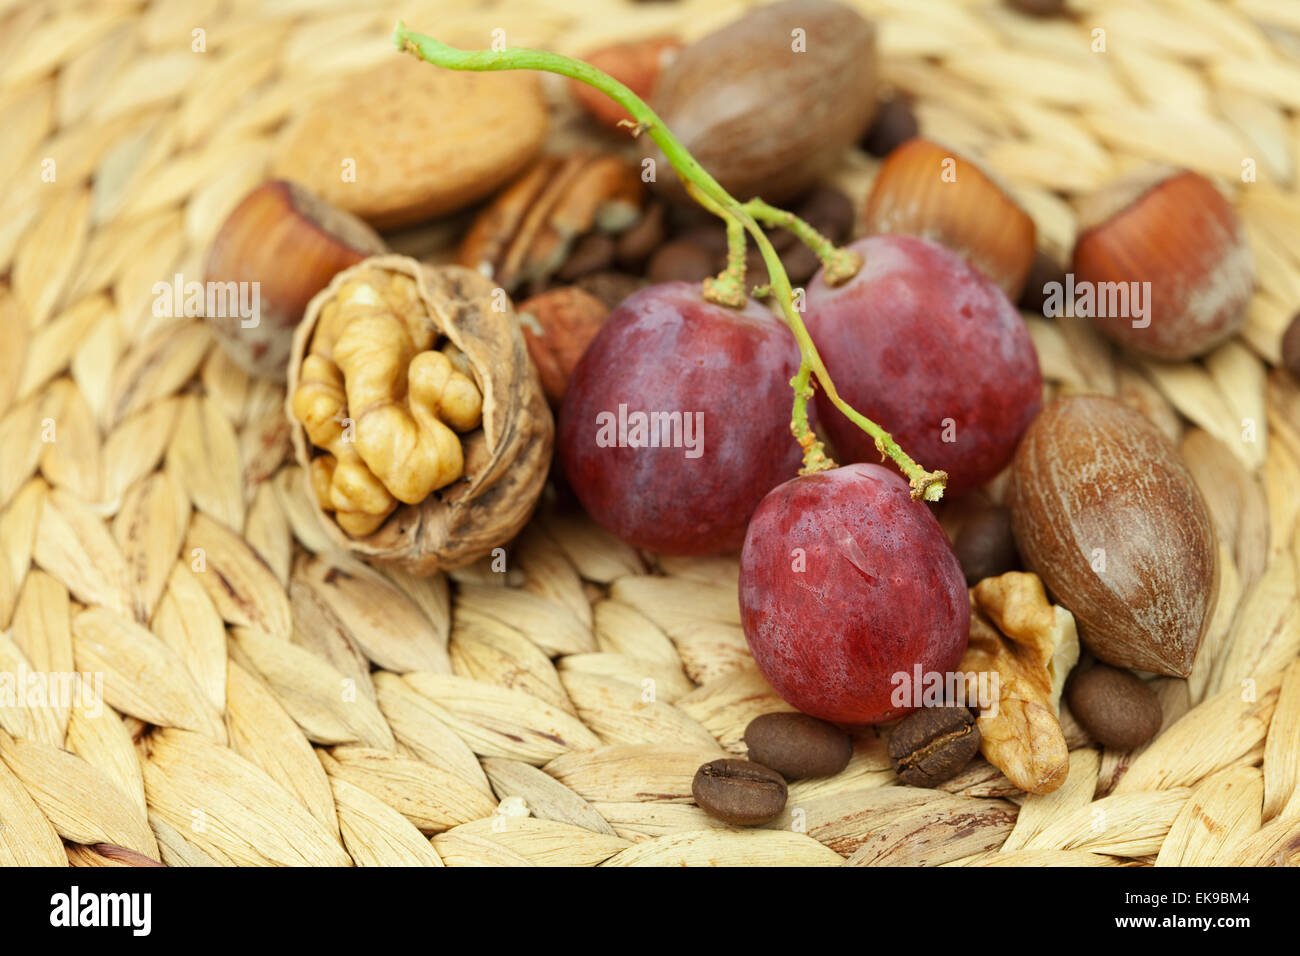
(610, 287)
(637, 244)
(1043, 272)
(828, 211)
(739, 791)
(755, 267)
(594, 252)
(681, 261)
(711, 237)
(985, 545)
(796, 745)
(1115, 707)
(933, 744)
(1291, 347)
(800, 263)
(895, 124)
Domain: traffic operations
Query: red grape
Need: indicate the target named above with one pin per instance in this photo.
(725, 373)
(845, 582)
(932, 351)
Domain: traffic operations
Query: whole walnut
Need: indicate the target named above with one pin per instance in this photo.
(417, 414)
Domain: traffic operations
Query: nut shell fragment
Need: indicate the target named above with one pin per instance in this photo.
(505, 459)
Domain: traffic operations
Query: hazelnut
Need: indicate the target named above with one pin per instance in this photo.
(558, 326)
(636, 65)
(291, 243)
(926, 190)
(1176, 232)
(417, 414)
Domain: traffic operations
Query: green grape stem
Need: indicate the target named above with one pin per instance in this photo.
(728, 287)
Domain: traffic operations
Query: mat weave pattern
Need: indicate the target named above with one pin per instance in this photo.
(272, 702)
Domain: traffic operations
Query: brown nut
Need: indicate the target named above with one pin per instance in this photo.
(799, 90)
(924, 189)
(558, 326)
(1104, 509)
(417, 414)
(291, 244)
(1178, 235)
(526, 234)
(636, 65)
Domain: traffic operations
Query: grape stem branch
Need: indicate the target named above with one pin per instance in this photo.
(728, 287)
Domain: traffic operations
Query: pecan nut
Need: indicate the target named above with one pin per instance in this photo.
(526, 233)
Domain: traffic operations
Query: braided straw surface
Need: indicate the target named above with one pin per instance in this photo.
(288, 706)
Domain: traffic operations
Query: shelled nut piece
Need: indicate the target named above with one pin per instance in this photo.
(527, 232)
(1031, 645)
(418, 415)
(291, 244)
(924, 189)
(1175, 232)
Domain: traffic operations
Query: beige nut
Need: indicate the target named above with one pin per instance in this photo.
(418, 414)
(1031, 644)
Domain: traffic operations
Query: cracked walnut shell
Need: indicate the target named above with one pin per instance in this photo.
(1031, 644)
(417, 414)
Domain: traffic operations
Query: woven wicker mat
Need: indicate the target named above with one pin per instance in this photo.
(276, 712)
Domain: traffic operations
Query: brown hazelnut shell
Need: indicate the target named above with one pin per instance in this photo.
(1176, 231)
(1091, 473)
(971, 215)
(506, 459)
(290, 242)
